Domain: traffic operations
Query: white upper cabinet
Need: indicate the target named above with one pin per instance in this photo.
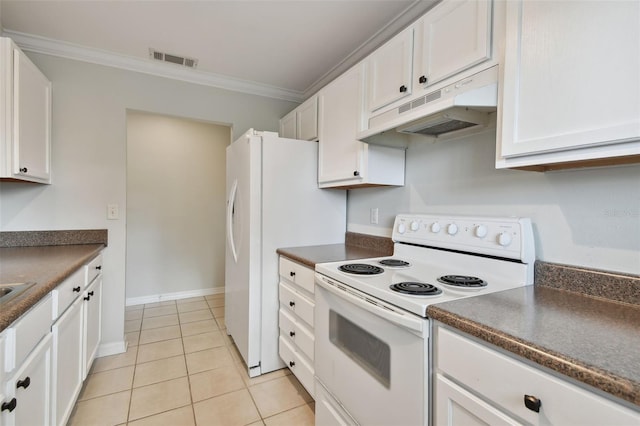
(302, 122)
(571, 85)
(307, 120)
(451, 38)
(288, 125)
(449, 44)
(339, 152)
(25, 117)
(344, 161)
(389, 71)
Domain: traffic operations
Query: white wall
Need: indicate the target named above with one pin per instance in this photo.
(175, 205)
(583, 217)
(89, 154)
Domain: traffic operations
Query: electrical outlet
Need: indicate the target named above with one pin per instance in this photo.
(112, 211)
(374, 215)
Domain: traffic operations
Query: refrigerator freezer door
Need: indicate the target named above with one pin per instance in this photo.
(242, 258)
(273, 201)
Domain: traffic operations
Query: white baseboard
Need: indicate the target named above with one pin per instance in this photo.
(173, 296)
(113, 348)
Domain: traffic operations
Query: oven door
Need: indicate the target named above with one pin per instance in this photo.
(371, 356)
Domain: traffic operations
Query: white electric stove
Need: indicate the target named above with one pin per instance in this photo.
(371, 315)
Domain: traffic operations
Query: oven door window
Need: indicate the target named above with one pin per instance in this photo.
(368, 351)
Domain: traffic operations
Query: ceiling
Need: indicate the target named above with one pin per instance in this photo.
(289, 48)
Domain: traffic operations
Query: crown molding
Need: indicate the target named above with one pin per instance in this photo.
(408, 16)
(47, 46)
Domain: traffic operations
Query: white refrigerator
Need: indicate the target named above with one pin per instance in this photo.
(273, 201)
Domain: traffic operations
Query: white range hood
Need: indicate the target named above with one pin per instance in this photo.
(460, 108)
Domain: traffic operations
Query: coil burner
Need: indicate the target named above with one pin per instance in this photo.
(361, 269)
(394, 263)
(462, 281)
(416, 288)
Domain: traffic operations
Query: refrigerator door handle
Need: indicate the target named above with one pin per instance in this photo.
(230, 214)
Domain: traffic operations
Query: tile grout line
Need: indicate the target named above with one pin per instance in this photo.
(227, 343)
(135, 366)
(186, 366)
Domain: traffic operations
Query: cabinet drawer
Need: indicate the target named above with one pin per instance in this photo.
(456, 406)
(297, 333)
(66, 293)
(92, 269)
(296, 303)
(28, 331)
(302, 370)
(505, 381)
(298, 274)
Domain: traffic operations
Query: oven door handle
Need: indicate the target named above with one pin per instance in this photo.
(371, 305)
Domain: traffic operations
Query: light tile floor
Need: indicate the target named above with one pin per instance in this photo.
(182, 369)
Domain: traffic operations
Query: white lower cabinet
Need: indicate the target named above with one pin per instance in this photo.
(68, 363)
(297, 341)
(92, 321)
(28, 391)
(2, 396)
(498, 389)
(47, 353)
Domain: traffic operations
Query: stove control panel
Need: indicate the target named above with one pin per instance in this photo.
(508, 237)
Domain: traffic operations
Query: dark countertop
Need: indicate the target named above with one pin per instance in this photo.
(592, 340)
(311, 255)
(47, 266)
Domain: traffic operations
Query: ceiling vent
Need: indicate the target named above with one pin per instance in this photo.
(174, 59)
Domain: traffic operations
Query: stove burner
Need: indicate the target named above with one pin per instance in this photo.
(462, 281)
(361, 269)
(416, 289)
(393, 262)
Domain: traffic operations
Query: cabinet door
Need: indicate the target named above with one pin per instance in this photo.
(6, 403)
(307, 120)
(339, 152)
(67, 361)
(454, 406)
(288, 125)
(561, 402)
(92, 318)
(453, 37)
(31, 388)
(389, 71)
(570, 76)
(31, 120)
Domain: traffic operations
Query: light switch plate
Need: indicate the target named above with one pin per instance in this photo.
(112, 211)
(374, 215)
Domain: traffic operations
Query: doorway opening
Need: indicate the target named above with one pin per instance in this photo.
(175, 213)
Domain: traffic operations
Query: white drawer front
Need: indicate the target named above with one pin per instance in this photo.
(297, 333)
(29, 330)
(296, 303)
(92, 269)
(298, 366)
(298, 274)
(455, 406)
(505, 381)
(67, 292)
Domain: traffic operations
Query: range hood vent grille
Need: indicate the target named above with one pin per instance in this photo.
(174, 59)
(422, 100)
(444, 128)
